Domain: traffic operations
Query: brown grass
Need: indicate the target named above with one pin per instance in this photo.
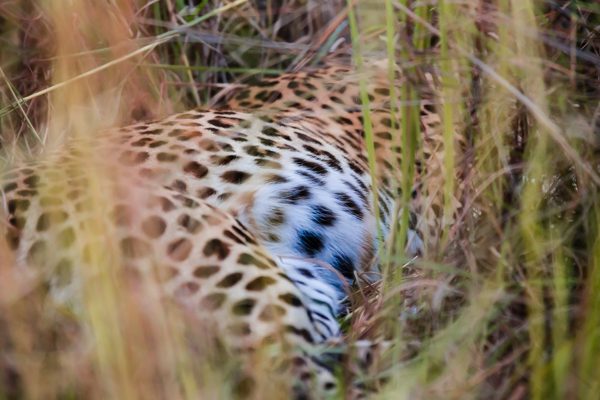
(503, 306)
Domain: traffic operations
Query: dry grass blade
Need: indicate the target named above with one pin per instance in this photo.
(19, 102)
(542, 118)
(480, 117)
(146, 49)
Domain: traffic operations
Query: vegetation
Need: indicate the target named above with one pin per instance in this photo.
(506, 302)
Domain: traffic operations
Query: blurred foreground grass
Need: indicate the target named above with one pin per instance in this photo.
(506, 303)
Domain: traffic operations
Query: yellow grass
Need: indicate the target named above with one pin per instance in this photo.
(504, 305)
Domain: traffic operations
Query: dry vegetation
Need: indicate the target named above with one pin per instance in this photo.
(505, 305)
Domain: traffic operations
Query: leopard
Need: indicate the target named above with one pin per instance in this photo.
(256, 213)
(204, 258)
(331, 92)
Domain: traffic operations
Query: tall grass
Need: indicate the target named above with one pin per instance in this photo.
(505, 302)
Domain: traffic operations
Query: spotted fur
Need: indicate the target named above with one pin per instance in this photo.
(256, 215)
